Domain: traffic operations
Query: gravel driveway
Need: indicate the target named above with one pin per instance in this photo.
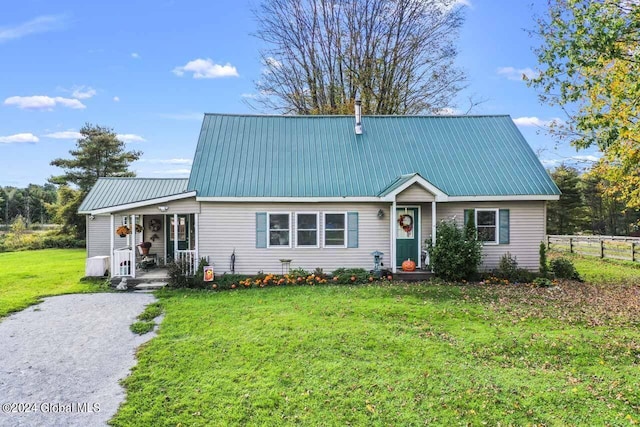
(61, 360)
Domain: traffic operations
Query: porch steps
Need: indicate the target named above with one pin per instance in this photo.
(413, 276)
(149, 286)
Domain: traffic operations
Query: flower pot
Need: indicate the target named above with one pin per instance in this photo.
(145, 251)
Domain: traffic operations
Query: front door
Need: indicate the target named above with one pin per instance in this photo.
(407, 235)
(183, 234)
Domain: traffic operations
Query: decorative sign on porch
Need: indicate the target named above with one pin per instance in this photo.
(208, 273)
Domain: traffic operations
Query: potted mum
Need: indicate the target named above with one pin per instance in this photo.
(144, 247)
(123, 230)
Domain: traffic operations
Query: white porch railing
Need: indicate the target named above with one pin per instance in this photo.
(123, 259)
(189, 260)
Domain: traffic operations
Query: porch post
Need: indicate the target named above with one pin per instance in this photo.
(195, 220)
(433, 222)
(112, 232)
(175, 237)
(132, 259)
(394, 231)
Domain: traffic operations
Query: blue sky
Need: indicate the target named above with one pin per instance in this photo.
(150, 69)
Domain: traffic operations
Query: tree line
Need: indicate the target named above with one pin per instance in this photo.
(588, 206)
(30, 203)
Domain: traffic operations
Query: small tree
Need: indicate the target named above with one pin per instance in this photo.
(454, 257)
(544, 267)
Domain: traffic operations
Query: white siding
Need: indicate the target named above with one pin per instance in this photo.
(415, 193)
(526, 230)
(98, 236)
(228, 226)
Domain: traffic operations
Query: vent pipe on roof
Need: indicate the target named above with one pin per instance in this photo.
(358, 117)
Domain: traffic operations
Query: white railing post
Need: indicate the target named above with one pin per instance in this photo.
(197, 243)
(175, 237)
(112, 221)
(394, 228)
(132, 262)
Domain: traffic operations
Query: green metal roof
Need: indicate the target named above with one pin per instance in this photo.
(110, 192)
(321, 156)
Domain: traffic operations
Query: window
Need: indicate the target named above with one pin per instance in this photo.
(334, 230)
(487, 225)
(307, 230)
(279, 229)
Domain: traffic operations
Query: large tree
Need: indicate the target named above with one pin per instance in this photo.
(396, 55)
(98, 153)
(568, 214)
(590, 67)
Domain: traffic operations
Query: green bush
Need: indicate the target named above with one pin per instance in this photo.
(349, 276)
(542, 282)
(508, 266)
(563, 268)
(454, 257)
(227, 280)
(544, 266)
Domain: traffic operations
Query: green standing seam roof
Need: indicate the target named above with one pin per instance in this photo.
(321, 156)
(109, 192)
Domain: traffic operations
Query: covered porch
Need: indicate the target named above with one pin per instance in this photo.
(142, 245)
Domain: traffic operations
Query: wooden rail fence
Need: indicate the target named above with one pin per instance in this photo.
(614, 247)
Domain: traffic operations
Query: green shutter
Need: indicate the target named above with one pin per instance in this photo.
(504, 226)
(352, 229)
(261, 229)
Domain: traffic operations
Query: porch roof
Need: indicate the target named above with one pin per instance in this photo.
(111, 192)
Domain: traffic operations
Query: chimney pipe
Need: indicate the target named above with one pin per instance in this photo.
(358, 117)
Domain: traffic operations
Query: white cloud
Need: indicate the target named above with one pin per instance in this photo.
(39, 24)
(19, 138)
(586, 158)
(536, 121)
(135, 55)
(67, 134)
(206, 69)
(177, 161)
(447, 112)
(116, 99)
(83, 92)
(130, 137)
(516, 74)
(183, 116)
(172, 172)
(41, 102)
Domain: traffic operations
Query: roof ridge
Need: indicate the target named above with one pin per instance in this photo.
(311, 116)
(141, 178)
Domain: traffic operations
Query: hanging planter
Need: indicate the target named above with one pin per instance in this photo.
(123, 230)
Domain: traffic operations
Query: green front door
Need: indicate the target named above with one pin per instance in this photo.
(407, 235)
(183, 234)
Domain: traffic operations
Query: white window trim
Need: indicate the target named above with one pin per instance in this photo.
(324, 229)
(317, 245)
(497, 211)
(269, 230)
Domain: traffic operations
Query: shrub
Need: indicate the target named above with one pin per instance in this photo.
(544, 266)
(542, 282)
(177, 278)
(508, 266)
(454, 257)
(350, 276)
(563, 268)
(226, 280)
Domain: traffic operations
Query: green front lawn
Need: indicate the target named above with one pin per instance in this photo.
(611, 271)
(26, 277)
(391, 355)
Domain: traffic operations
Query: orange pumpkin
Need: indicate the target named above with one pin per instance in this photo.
(409, 265)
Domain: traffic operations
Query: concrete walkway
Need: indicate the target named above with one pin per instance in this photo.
(61, 361)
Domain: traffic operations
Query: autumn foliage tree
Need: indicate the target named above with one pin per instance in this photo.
(396, 55)
(590, 67)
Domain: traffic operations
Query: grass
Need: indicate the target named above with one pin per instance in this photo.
(391, 355)
(26, 277)
(607, 271)
(142, 328)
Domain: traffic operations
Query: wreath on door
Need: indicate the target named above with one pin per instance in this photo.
(406, 222)
(154, 224)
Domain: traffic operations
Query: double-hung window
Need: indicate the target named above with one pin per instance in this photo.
(307, 230)
(487, 225)
(335, 230)
(279, 229)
